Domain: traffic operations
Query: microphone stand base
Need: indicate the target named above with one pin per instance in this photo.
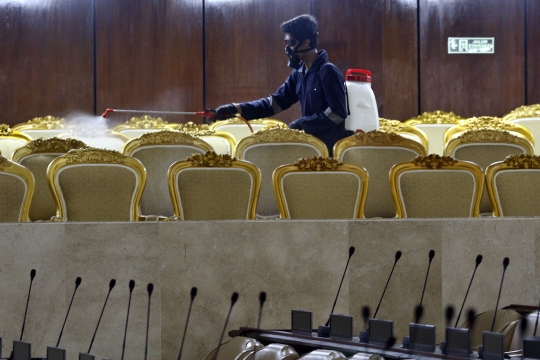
(323, 331)
(364, 337)
(406, 343)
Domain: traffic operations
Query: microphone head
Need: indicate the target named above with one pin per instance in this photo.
(398, 255)
(193, 292)
(78, 281)
(523, 324)
(351, 251)
(478, 259)
(431, 254)
(506, 261)
(471, 317)
(112, 283)
(449, 314)
(365, 313)
(150, 288)
(418, 312)
(262, 297)
(390, 342)
(234, 298)
(32, 274)
(131, 285)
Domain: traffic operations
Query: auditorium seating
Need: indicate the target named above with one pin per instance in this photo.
(214, 187)
(436, 187)
(512, 186)
(434, 124)
(272, 147)
(97, 185)
(377, 152)
(526, 327)
(409, 132)
(320, 188)
(528, 116)
(276, 352)
(17, 184)
(157, 151)
(136, 126)
(10, 140)
(36, 156)
(43, 127)
(505, 323)
(324, 355)
(96, 137)
(484, 147)
(222, 142)
(238, 348)
(239, 129)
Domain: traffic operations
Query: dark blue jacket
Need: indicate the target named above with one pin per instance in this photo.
(321, 92)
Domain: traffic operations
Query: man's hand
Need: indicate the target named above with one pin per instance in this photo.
(226, 111)
(296, 124)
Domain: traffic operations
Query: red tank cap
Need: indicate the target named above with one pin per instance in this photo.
(358, 75)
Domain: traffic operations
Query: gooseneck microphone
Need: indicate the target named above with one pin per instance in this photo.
(112, 283)
(419, 310)
(397, 257)
(449, 314)
(150, 289)
(351, 252)
(234, 298)
(262, 299)
(32, 276)
(131, 287)
(478, 261)
(506, 261)
(77, 283)
(193, 294)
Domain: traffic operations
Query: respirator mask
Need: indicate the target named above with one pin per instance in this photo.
(294, 59)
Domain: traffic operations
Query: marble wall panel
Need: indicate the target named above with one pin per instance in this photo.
(298, 264)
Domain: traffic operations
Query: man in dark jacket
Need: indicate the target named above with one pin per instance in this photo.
(315, 82)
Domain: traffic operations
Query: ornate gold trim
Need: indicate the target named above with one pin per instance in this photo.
(396, 126)
(211, 159)
(275, 126)
(435, 117)
(54, 144)
(487, 136)
(526, 111)
(523, 161)
(93, 155)
(48, 122)
(318, 163)
(193, 129)
(5, 130)
(4, 163)
(165, 137)
(486, 122)
(434, 161)
(146, 122)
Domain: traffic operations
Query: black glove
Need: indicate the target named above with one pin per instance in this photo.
(296, 124)
(226, 111)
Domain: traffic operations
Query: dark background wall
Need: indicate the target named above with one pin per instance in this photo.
(61, 56)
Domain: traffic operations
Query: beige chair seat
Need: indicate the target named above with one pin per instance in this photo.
(434, 124)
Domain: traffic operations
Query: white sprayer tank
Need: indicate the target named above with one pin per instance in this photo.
(361, 101)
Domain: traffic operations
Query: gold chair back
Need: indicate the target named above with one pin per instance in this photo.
(157, 151)
(17, 184)
(43, 127)
(96, 185)
(512, 186)
(137, 126)
(407, 131)
(97, 136)
(436, 186)
(320, 188)
(214, 187)
(10, 140)
(529, 117)
(377, 152)
(270, 148)
(36, 156)
(434, 124)
(484, 147)
(276, 352)
(238, 128)
(222, 142)
(486, 122)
